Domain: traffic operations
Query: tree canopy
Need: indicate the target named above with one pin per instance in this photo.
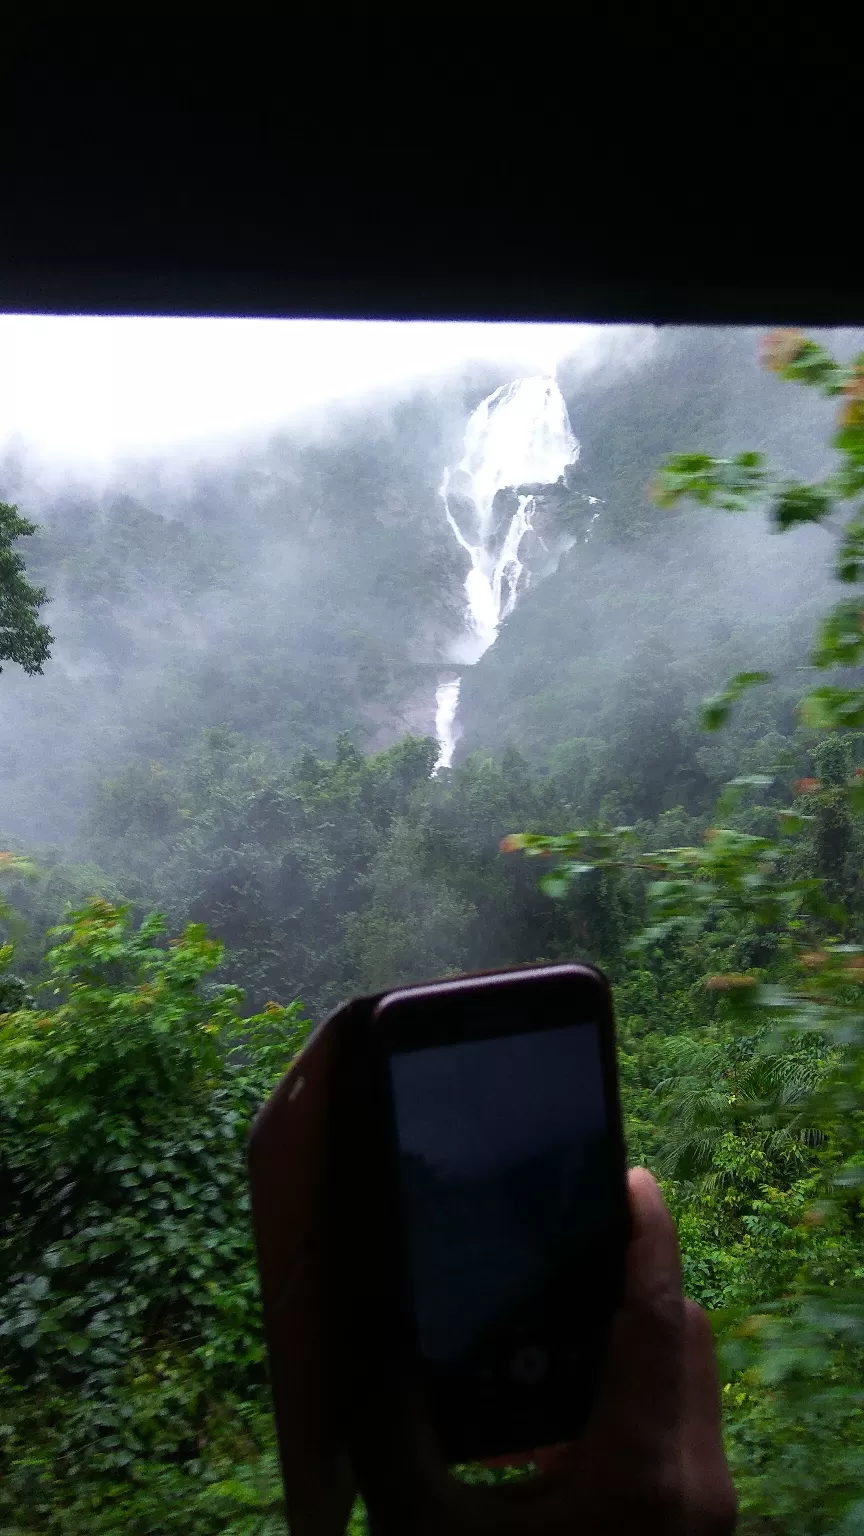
(22, 638)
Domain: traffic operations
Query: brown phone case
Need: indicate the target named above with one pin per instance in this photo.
(336, 1373)
(287, 1168)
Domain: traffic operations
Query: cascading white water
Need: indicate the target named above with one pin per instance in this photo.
(518, 436)
(446, 705)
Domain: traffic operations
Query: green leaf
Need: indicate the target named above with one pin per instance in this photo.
(833, 708)
(798, 503)
(849, 440)
(852, 1523)
(855, 794)
(792, 822)
(849, 565)
(715, 711)
(730, 484)
(840, 640)
(239, 1493)
(813, 365)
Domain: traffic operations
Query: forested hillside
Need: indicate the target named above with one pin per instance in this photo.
(310, 594)
(236, 730)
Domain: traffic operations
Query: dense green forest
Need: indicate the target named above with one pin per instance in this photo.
(234, 730)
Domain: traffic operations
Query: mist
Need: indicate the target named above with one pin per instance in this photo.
(272, 561)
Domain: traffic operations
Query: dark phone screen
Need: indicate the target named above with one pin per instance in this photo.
(507, 1170)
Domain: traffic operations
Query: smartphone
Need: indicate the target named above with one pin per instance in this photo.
(504, 1155)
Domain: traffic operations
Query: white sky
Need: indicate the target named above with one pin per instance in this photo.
(88, 391)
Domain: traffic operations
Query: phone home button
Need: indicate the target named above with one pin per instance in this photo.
(529, 1365)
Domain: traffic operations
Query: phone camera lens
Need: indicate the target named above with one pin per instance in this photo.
(529, 1366)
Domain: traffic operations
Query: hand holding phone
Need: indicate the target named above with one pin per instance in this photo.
(442, 1216)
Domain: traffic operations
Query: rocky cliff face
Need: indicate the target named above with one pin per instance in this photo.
(570, 661)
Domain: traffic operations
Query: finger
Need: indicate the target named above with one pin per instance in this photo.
(708, 1487)
(702, 1409)
(703, 1412)
(654, 1261)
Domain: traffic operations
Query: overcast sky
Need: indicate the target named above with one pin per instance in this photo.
(91, 390)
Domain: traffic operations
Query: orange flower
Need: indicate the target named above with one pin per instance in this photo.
(780, 348)
(510, 844)
(806, 786)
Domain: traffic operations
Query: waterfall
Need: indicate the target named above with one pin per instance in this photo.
(518, 437)
(446, 705)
